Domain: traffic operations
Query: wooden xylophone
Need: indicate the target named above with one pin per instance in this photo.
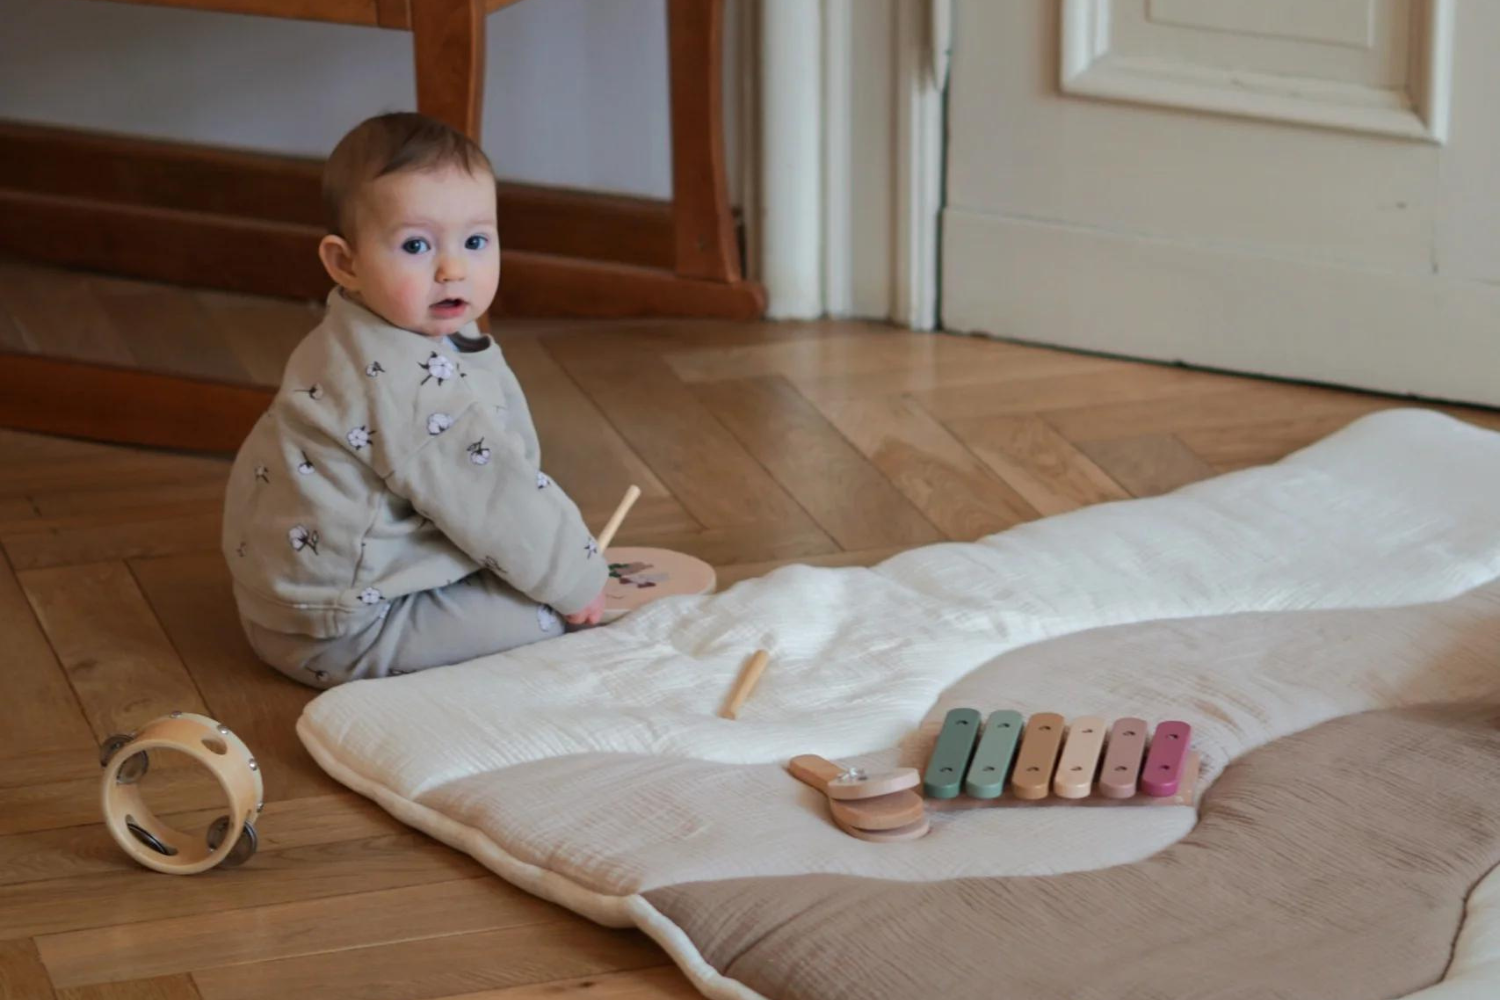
(1015, 759)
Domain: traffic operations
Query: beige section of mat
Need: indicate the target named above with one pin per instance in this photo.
(1329, 865)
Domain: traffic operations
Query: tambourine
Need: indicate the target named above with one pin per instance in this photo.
(230, 840)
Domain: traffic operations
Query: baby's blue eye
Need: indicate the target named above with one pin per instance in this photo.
(477, 242)
(415, 245)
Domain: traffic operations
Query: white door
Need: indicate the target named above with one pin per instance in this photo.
(1302, 188)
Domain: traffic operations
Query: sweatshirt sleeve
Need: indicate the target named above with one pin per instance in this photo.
(473, 479)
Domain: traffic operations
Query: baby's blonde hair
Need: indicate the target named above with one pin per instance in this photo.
(387, 144)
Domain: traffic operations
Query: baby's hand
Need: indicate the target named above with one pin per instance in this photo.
(590, 615)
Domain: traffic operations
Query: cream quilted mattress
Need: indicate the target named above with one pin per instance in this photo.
(594, 770)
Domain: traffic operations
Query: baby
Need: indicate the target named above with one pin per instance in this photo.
(388, 513)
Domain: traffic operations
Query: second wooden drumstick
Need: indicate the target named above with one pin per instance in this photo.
(748, 679)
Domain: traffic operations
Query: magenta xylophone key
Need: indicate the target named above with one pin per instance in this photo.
(1163, 768)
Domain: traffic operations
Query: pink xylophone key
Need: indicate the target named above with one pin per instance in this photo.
(1122, 759)
(1163, 768)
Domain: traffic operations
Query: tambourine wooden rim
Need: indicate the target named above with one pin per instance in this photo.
(213, 747)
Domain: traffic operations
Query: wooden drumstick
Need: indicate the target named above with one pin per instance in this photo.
(608, 534)
(748, 679)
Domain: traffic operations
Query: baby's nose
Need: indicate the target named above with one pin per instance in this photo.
(450, 268)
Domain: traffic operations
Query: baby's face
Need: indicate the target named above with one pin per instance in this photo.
(426, 251)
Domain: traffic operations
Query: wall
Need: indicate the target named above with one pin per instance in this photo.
(576, 92)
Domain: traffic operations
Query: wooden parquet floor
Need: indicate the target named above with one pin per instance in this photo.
(754, 445)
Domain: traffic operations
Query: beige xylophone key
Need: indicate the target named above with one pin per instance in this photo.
(1080, 758)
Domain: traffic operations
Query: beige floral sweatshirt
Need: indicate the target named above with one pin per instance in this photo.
(391, 463)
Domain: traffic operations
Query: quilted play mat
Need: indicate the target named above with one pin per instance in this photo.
(1328, 624)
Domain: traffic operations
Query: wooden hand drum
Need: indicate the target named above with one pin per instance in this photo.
(638, 576)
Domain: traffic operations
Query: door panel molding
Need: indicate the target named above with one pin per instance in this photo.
(1416, 108)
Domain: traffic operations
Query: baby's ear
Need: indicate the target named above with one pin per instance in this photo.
(338, 261)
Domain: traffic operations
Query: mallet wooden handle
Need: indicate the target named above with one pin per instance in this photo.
(748, 679)
(608, 534)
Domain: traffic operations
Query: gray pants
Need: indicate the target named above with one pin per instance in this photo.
(478, 615)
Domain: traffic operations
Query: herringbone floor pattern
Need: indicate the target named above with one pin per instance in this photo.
(753, 444)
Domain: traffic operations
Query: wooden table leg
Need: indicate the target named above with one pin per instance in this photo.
(706, 245)
(448, 36)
